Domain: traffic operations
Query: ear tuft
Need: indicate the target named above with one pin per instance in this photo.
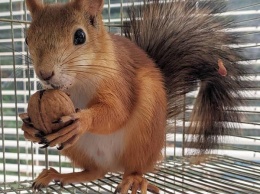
(34, 6)
(93, 7)
(92, 20)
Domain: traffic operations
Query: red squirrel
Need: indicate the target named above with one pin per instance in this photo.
(127, 87)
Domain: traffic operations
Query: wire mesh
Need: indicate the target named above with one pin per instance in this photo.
(21, 161)
(219, 174)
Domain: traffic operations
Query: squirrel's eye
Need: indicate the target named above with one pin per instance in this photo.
(79, 37)
(26, 40)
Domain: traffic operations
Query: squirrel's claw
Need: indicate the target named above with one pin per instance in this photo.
(40, 134)
(23, 115)
(45, 146)
(25, 118)
(30, 133)
(60, 147)
(68, 143)
(45, 177)
(64, 137)
(68, 118)
(43, 141)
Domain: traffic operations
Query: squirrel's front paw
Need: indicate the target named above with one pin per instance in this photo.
(30, 132)
(66, 136)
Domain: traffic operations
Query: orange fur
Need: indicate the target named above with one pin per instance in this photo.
(117, 86)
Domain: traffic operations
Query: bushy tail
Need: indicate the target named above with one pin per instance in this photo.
(189, 44)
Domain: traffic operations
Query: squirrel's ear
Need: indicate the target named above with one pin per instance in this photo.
(34, 6)
(93, 7)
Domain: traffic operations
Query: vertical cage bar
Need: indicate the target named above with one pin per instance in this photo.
(29, 82)
(46, 158)
(109, 15)
(175, 136)
(121, 16)
(24, 81)
(183, 136)
(2, 128)
(15, 90)
(59, 162)
(184, 125)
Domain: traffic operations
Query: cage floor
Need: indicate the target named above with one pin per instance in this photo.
(219, 174)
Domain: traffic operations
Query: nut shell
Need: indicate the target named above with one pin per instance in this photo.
(47, 106)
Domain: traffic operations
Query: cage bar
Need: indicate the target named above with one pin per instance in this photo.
(235, 168)
(218, 174)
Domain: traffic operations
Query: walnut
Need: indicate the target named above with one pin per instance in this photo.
(47, 106)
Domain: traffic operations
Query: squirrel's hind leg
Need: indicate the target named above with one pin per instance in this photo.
(135, 182)
(48, 175)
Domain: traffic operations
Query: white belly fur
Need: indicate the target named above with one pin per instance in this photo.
(103, 149)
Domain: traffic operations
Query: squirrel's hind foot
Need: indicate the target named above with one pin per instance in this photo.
(135, 183)
(45, 177)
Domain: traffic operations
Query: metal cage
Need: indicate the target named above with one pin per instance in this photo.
(235, 168)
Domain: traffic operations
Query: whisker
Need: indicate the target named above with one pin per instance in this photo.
(63, 52)
(73, 52)
(79, 78)
(104, 75)
(12, 49)
(88, 71)
(103, 68)
(69, 60)
(82, 46)
(83, 73)
(74, 57)
(89, 59)
(101, 73)
(23, 26)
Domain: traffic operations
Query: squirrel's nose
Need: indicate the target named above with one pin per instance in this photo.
(46, 75)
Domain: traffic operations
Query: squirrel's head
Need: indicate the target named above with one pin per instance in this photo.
(65, 40)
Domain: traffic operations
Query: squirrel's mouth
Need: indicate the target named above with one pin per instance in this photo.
(51, 86)
(55, 86)
(60, 83)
